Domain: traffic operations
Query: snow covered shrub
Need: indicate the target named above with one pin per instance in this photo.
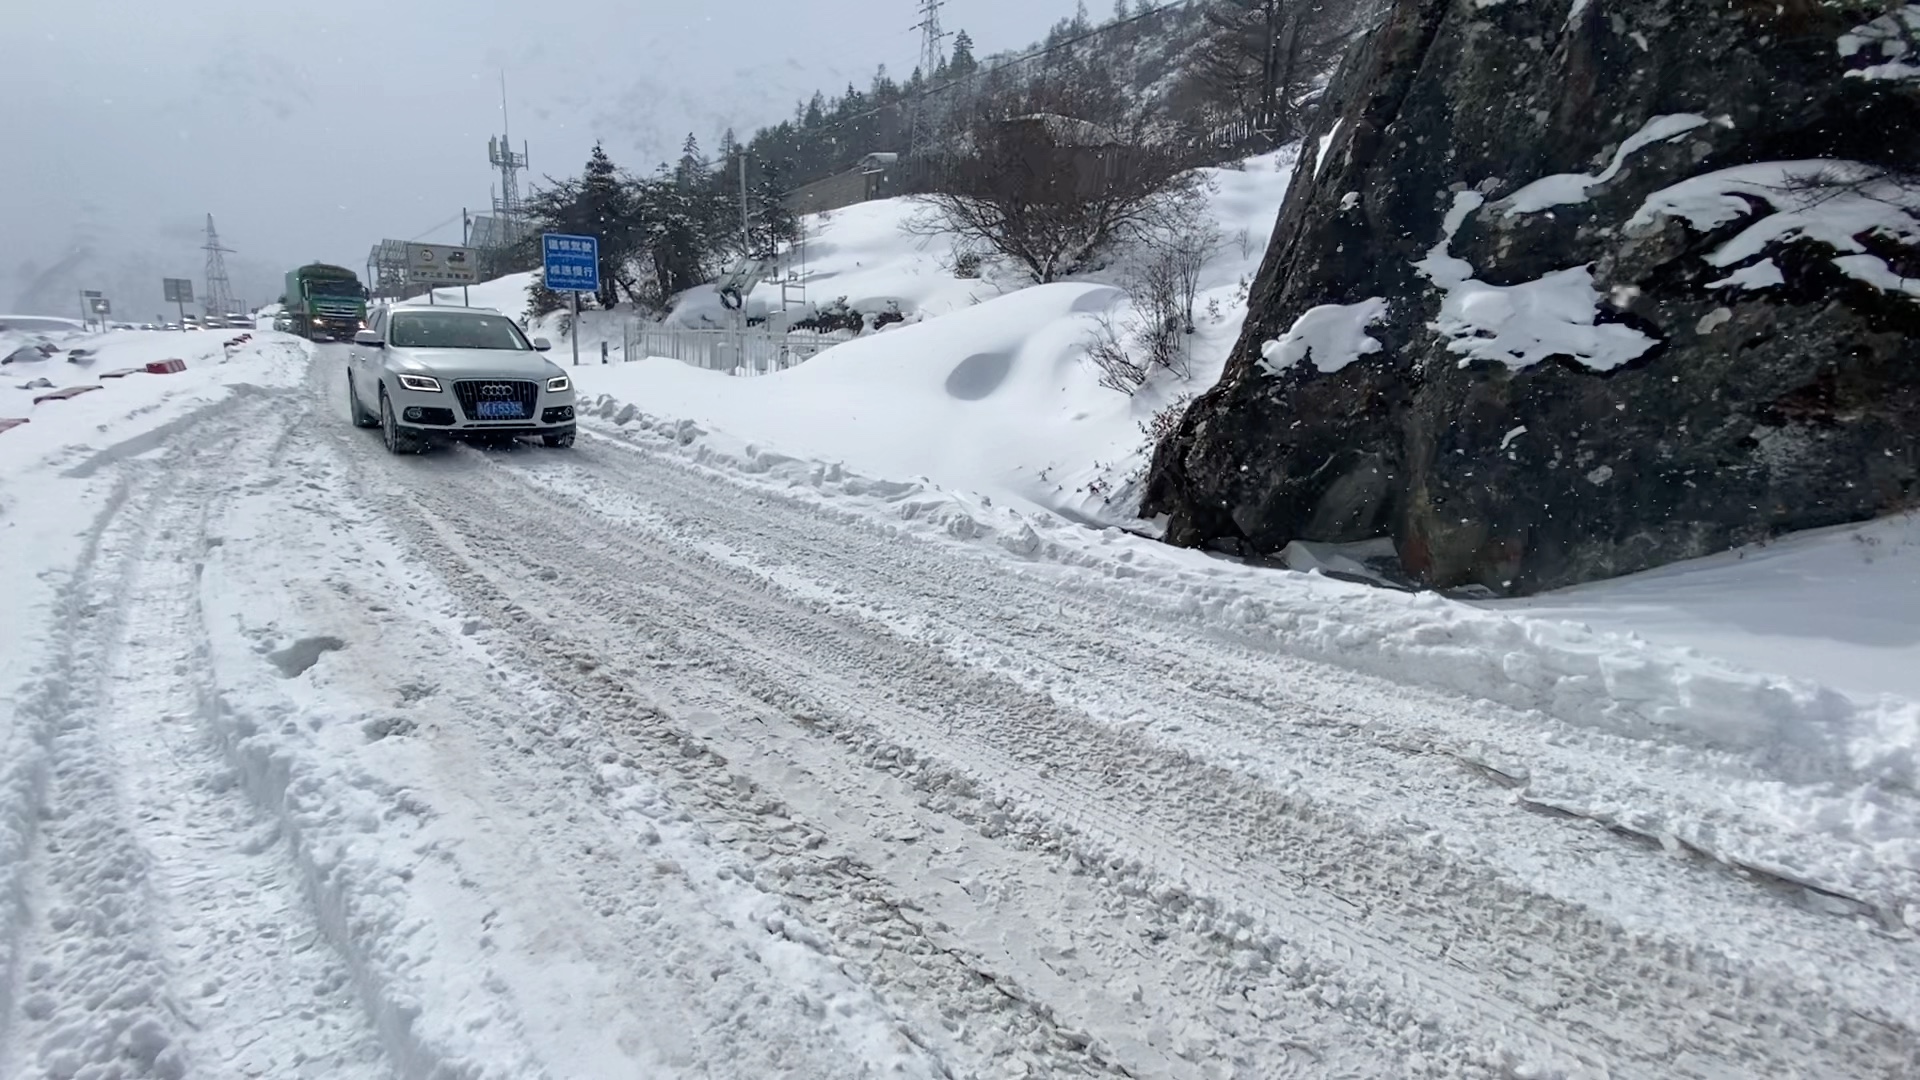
(1165, 421)
(1107, 349)
(967, 261)
(832, 317)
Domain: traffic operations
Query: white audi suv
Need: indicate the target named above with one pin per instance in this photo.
(422, 372)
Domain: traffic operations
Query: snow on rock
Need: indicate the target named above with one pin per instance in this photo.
(1521, 325)
(1325, 144)
(1830, 202)
(1568, 188)
(1331, 336)
(1885, 48)
(1440, 265)
(1761, 275)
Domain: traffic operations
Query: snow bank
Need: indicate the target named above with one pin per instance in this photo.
(508, 294)
(1833, 606)
(861, 253)
(126, 405)
(50, 505)
(994, 399)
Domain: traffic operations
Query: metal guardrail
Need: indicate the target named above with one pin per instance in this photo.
(737, 352)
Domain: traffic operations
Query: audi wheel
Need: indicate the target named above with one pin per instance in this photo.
(398, 439)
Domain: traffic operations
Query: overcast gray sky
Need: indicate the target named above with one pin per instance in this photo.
(313, 128)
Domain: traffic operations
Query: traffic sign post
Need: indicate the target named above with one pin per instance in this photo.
(179, 291)
(571, 264)
(440, 264)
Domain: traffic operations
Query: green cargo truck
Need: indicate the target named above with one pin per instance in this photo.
(325, 302)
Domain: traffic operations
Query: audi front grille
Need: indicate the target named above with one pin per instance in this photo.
(471, 392)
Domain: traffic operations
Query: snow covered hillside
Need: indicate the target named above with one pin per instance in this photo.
(985, 389)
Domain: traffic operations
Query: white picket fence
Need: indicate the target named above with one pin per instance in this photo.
(751, 351)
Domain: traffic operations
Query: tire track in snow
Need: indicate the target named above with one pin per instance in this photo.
(1063, 776)
(148, 875)
(578, 860)
(1168, 654)
(1554, 958)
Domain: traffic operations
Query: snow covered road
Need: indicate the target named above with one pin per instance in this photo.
(604, 763)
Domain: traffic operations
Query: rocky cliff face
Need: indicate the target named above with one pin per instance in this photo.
(1570, 288)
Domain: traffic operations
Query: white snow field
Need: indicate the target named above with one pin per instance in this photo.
(675, 755)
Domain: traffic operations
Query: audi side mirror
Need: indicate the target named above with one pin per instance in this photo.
(541, 344)
(370, 339)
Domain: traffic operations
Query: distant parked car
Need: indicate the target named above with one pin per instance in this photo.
(421, 372)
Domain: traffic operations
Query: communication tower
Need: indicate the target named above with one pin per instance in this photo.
(506, 201)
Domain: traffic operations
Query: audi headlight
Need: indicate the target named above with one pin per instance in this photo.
(559, 383)
(423, 383)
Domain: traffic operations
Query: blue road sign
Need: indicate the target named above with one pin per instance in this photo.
(572, 262)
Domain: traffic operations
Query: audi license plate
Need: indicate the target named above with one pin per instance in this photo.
(501, 410)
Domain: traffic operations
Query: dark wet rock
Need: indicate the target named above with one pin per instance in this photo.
(1692, 415)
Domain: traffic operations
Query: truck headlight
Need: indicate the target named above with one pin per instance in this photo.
(423, 383)
(559, 383)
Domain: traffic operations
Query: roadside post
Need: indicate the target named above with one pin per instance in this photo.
(88, 308)
(571, 264)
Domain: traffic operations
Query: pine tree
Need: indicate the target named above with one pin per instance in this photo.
(692, 165)
(962, 64)
(540, 299)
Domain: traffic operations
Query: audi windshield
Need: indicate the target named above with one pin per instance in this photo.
(434, 330)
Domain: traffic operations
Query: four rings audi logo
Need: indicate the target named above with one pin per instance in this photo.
(498, 390)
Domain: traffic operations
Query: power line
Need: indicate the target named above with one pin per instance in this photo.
(437, 228)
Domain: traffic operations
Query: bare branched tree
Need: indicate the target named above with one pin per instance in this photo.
(1051, 193)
